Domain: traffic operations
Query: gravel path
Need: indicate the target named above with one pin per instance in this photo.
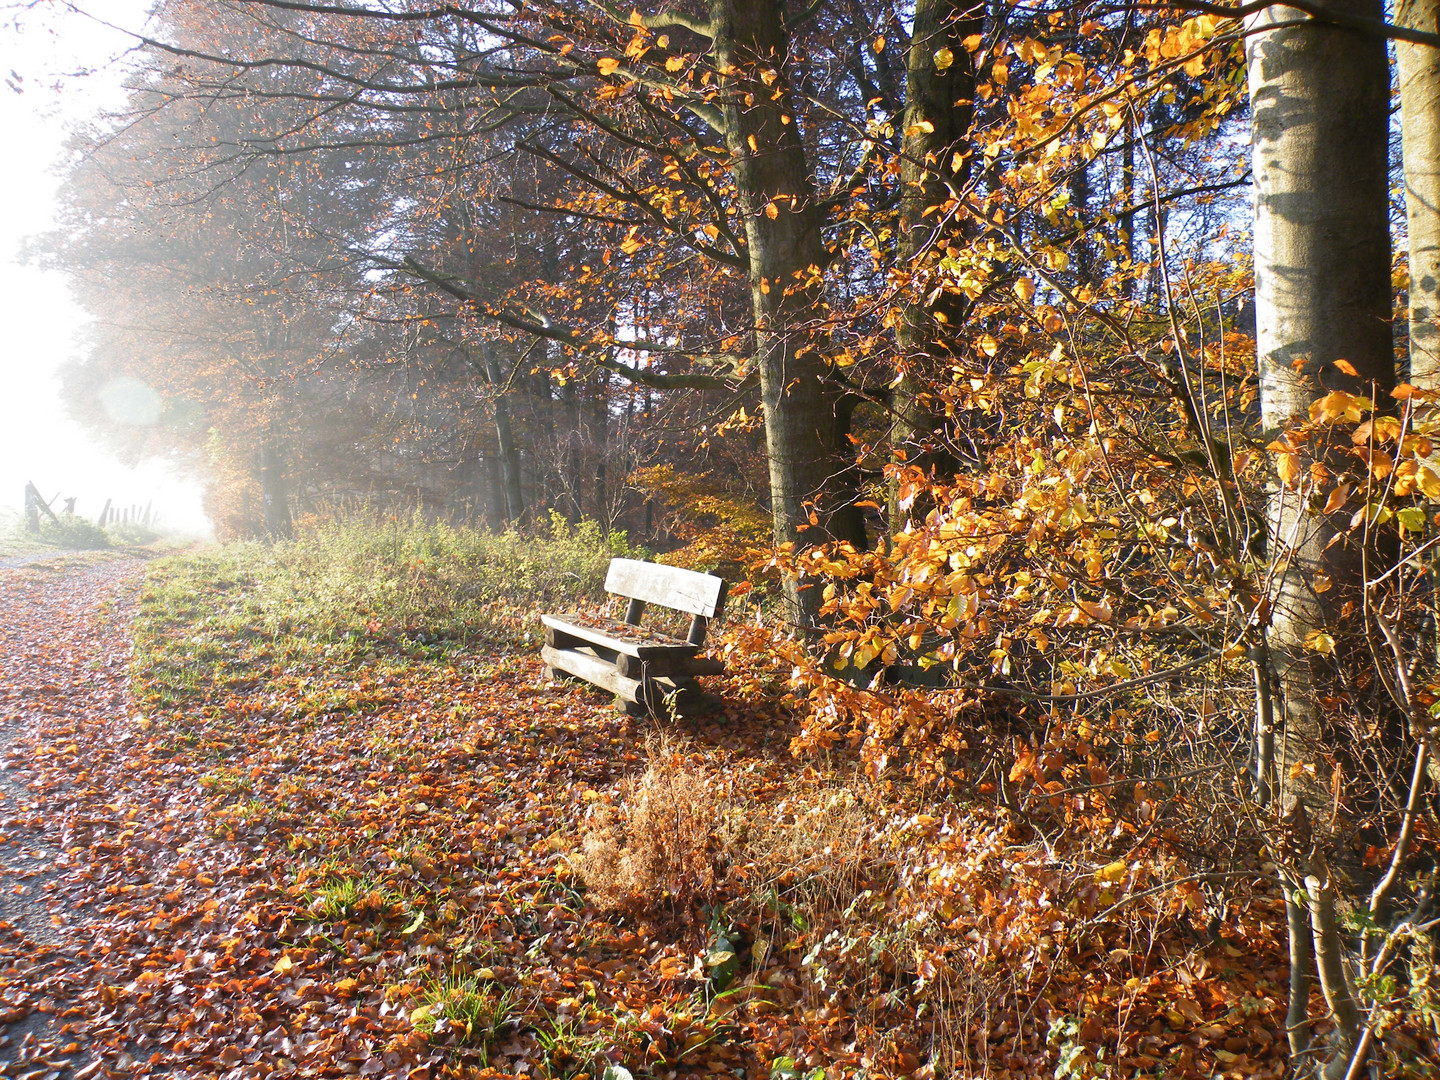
(64, 656)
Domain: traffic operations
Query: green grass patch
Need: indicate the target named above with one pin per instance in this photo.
(388, 592)
(464, 1006)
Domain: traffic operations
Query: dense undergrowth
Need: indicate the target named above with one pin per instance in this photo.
(533, 881)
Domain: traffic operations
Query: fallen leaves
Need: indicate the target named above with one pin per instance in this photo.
(319, 861)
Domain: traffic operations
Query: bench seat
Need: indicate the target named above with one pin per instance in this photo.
(617, 636)
(648, 671)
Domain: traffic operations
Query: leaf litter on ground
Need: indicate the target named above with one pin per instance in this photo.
(366, 854)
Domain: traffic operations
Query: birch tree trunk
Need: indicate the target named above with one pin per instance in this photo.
(1319, 97)
(1420, 134)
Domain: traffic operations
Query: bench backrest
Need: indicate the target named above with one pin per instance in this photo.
(669, 586)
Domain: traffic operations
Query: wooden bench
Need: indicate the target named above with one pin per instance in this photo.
(644, 669)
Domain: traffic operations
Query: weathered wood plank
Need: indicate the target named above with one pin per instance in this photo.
(593, 670)
(668, 586)
(669, 666)
(618, 636)
(603, 674)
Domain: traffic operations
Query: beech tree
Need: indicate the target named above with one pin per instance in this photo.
(1419, 79)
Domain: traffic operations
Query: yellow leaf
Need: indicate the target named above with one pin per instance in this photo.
(920, 127)
(771, 210)
(1347, 367)
(1024, 289)
(608, 65)
(1287, 466)
(1112, 873)
(943, 59)
(1321, 642)
(675, 63)
(880, 44)
(1337, 498)
(988, 345)
(1428, 482)
(284, 964)
(972, 42)
(750, 142)
(1338, 405)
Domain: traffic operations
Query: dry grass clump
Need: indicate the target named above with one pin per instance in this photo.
(823, 847)
(660, 839)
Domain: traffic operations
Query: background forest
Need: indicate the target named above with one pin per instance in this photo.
(1059, 377)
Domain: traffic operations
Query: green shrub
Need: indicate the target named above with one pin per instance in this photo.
(132, 534)
(69, 531)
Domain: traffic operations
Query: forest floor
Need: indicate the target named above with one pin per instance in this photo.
(244, 851)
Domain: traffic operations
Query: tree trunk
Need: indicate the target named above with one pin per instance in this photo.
(813, 484)
(1420, 135)
(496, 514)
(939, 107)
(273, 496)
(514, 504)
(1319, 97)
(570, 460)
(600, 436)
(1319, 100)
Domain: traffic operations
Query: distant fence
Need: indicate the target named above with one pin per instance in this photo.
(36, 505)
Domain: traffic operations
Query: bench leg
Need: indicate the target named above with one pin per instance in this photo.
(631, 708)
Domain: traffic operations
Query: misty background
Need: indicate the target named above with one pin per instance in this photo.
(60, 69)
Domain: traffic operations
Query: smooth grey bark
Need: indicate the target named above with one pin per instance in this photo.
(934, 160)
(274, 497)
(1419, 72)
(1330, 964)
(514, 505)
(811, 466)
(1319, 99)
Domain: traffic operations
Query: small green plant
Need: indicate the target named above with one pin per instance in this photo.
(567, 1050)
(465, 1008)
(69, 531)
(344, 897)
(787, 1068)
(1076, 1060)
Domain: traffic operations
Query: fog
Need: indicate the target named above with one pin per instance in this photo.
(60, 69)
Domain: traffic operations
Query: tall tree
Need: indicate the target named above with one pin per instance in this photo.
(1420, 135)
(935, 162)
(1319, 97)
